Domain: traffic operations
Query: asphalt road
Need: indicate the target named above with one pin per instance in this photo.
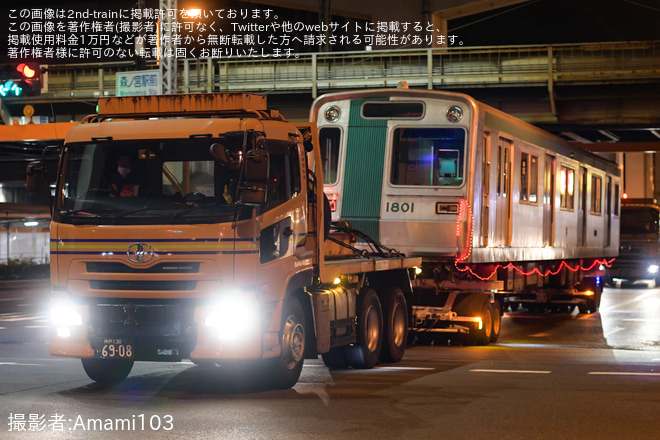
(550, 376)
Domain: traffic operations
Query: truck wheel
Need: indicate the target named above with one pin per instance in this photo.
(365, 353)
(335, 359)
(285, 370)
(496, 313)
(594, 303)
(395, 325)
(107, 371)
(477, 305)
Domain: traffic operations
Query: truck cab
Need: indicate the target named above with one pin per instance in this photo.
(639, 251)
(192, 227)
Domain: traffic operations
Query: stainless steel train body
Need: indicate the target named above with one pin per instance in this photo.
(478, 193)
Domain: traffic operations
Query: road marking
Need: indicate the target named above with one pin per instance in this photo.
(615, 330)
(20, 364)
(36, 326)
(403, 368)
(631, 301)
(15, 317)
(641, 320)
(511, 371)
(621, 373)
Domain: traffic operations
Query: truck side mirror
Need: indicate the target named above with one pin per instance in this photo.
(219, 153)
(254, 188)
(34, 175)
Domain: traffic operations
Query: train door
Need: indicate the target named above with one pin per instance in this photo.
(608, 213)
(503, 193)
(549, 201)
(582, 206)
(485, 189)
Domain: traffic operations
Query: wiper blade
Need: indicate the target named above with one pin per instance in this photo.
(131, 212)
(191, 209)
(72, 212)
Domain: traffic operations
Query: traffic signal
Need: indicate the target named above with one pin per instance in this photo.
(22, 79)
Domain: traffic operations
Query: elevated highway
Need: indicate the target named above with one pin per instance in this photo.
(587, 92)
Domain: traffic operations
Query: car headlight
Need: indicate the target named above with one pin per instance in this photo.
(235, 315)
(653, 268)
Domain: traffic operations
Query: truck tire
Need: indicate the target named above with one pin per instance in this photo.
(477, 305)
(592, 303)
(285, 370)
(366, 352)
(496, 313)
(107, 371)
(335, 359)
(395, 325)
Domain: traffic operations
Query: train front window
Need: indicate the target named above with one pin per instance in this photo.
(639, 220)
(428, 156)
(329, 140)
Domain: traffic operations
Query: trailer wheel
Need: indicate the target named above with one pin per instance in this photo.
(477, 305)
(593, 302)
(496, 313)
(285, 370)
(335, 359)
(395, 325)
(107, 371)
(365, 353)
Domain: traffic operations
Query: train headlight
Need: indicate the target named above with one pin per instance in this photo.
(653, 268)
(235, 315)
(454, 113)
(332, 113)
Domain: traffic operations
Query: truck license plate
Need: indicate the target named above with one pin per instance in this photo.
(115, 348)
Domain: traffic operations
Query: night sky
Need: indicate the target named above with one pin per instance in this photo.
(562, 21)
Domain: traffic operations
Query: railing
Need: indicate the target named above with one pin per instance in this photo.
(617, 62)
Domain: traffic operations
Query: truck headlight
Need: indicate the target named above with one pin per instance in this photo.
(653, 268)
(235, 315)
(63, 316)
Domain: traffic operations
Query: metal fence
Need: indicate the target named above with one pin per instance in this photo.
(530, 65)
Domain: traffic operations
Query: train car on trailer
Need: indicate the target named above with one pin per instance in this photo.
(490, 202)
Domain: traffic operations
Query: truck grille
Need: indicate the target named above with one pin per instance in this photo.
(96, 267)
(142, 285)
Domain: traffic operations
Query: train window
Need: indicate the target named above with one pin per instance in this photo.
(596, 194)
(428, 156)
(529, 177)
(392, 110)
(617, 200)
(567, 189)
(329, 140)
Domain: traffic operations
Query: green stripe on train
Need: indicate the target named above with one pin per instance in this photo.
(363, 171)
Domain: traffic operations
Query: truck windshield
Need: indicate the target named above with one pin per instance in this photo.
(152, 182)
(639, 220)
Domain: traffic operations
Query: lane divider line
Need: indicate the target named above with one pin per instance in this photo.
(620, 373)
(480, 370)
